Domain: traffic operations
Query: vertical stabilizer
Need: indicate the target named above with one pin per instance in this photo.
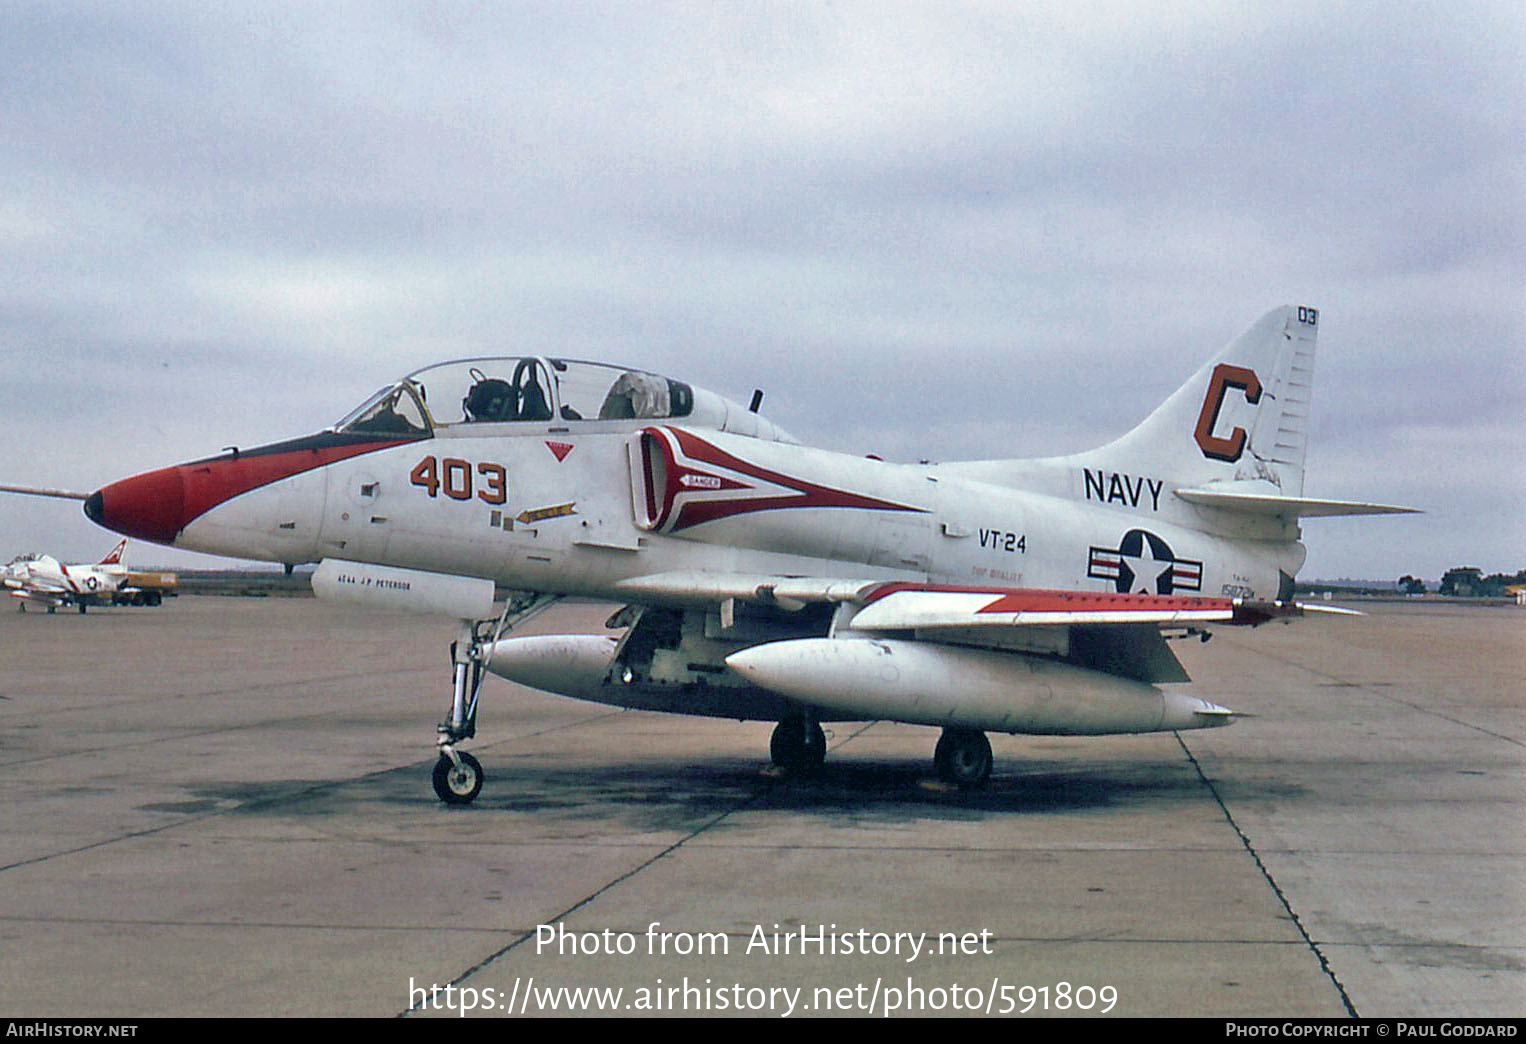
(1242, 418)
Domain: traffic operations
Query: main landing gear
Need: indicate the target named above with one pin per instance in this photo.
(458, 776)
(963, 758)
(798, 745)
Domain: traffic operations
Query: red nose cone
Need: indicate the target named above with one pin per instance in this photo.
(149, 506)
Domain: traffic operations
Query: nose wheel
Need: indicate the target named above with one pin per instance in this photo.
(457, 778)
(963, 758)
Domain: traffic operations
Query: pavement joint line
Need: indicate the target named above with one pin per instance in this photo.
(1271, 881)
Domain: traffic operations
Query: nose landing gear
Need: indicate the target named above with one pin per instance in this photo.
(458, 776)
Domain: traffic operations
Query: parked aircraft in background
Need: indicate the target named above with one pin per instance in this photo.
(44, 580)
(766, 580)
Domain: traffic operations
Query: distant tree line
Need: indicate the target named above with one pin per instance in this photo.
(1467, 582)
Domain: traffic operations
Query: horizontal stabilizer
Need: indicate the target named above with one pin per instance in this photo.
(1287, 507)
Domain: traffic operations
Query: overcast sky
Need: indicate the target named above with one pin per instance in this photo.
(927, 230)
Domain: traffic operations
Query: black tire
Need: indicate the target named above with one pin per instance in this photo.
(457, 786)
(798, 745)
(963, 758)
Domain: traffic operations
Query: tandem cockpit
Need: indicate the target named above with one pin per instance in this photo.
(511, 395)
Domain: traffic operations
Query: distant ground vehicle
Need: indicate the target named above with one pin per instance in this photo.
(146, 589)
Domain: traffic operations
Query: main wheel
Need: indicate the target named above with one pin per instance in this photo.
(798, 745)
(457, 786)
(964, 758)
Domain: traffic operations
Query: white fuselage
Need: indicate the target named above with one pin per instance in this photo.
(573, 509)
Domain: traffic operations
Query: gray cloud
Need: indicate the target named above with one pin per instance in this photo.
(927, 230)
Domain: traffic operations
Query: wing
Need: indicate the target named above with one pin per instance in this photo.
(756, 646)
(1118, 634)
(899, 606)
(922, 606)
(34, 584)
(32, 594)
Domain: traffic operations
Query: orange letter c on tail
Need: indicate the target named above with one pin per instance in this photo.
(1225, 377)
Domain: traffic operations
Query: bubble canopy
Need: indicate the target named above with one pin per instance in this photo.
(515, 393)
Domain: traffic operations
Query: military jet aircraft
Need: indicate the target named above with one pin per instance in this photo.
(766, 580)
(44, 580)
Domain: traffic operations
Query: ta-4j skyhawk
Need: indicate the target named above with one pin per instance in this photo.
(766, 580)
(44, 580)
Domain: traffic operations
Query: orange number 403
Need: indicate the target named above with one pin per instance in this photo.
(455, 479)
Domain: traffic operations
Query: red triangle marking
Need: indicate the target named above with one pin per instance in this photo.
(561, 449)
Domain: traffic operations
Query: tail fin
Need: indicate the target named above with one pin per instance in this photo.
(1234, 436)
(1242, 418)
(115, 557)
